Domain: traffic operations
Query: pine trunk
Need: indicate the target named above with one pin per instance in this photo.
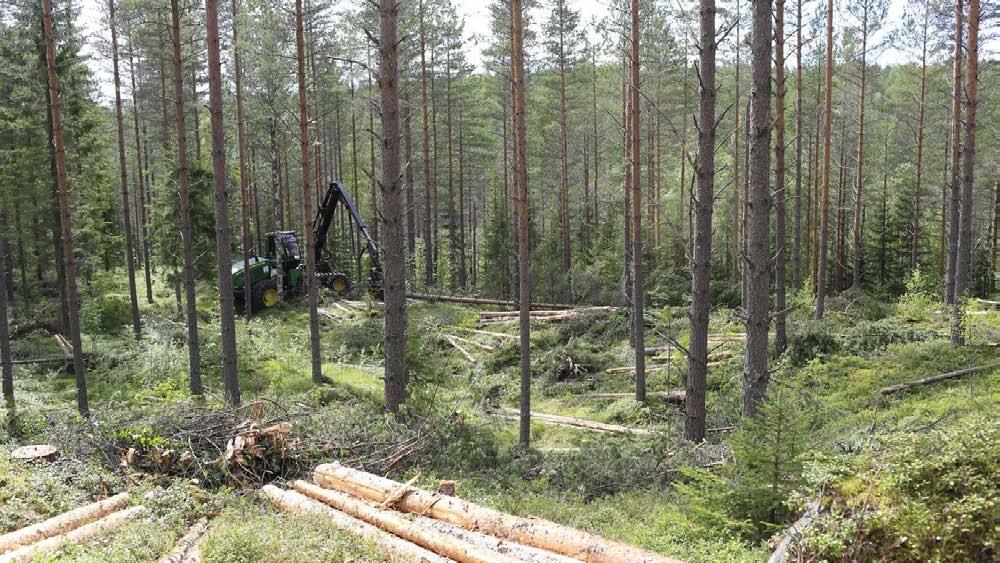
(797, 220)
(859, 166)
(963, 267)
(950, 295)
(638, 292)
(6, 363)
(824, 237)
(521, 177)
(701, 260)
(914, 247)
(780, 335)
(244, 178)
(424, 102)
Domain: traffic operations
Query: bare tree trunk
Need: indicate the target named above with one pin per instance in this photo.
(915, 246)
(824, 238)
(638, 292)
(462, 271)
(755, 374)
(194, 107)
(780, 335)
(452, 231)
(72, 298)
(521, 175)
(143, 210)
(307, 211)
(701, 261)
(859, 167)
(597, 216)
(950, 295)
(428, 234)
(244, 179)
(797, 225)
(227, 327)
(6, 364)
(278, 215)
(393, 242)
(963, 265)
(123, 176)
(626, 287)
(737, 238)
(411, 219)
(993, 246)
(563, 144)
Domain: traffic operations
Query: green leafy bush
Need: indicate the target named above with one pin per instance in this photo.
(105, 315)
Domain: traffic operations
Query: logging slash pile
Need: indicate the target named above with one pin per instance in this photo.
(414, 524)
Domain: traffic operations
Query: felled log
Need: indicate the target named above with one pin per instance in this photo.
(62, 360)
(480, 301)
(396, 523)
(534, 532)
(490, 333)
(387, 544)
(83, 533)
(668, 396)
(186, 544)
(457, 346)
(792, 534)
(515, 314)
(49, 326)
(560, 420)
(988, 303)
(631, 369)
(739, 337)
(486, 347)
(935, 378)
(657, 350)
(65, 346)
(62, 523)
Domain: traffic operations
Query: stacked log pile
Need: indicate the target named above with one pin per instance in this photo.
(414, 524)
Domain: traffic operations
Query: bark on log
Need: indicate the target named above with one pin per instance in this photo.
(780, 554)
(489, 333)
(631, 369)
(534, 532)
(386, 543)
(560, 420)
(62, 523)
(409, 528)
(43, 452)
(481, 301)
(457, 346)
(668, 396)
(935, 378)
(184, 546)
(486, 347)
(83, 533)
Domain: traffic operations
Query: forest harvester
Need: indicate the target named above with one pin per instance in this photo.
(281, 254)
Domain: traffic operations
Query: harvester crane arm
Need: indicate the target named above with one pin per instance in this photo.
(335, 195)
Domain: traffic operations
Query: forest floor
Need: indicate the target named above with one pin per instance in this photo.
(905, 476)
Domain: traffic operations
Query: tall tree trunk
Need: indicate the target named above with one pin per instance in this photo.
(194, 348)
(563, 145)
(701, 260)
(194, 108)
(597, 217)
(755, 374)
(915, 246)
(139, 145)
(227, 326)
(859, 167)
(277, 211)
(411, 219)
(963, 267)
(797, 220)
(373, 176)
(72, 298)
(824, 237)
(521, 176)
(123, 177)
(950, 295)
(462, 272)
(737, 244)
(424, 102)
(393, 242)
(638, 292)
(307, 211)
(780, 336)
(6, 364)
(993, 246)
(244, 179)
(626, 288)
(452, 231)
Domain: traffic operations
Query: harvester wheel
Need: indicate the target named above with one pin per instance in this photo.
(265, 294)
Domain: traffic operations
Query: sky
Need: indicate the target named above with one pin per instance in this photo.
(475, 14)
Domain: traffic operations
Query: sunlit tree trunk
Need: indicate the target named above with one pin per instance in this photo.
(950, 295)
(521, 174)
(860, 160)
(914, 247)
(638, 292)
(780, 260)
(244, 179)
(141, 195)
(963, 266)
(797, 220)
(824, 237)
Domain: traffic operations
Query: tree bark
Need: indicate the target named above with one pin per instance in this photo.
(824, 237)
(638, 292)
(227, 327)
(424, 102)
(915, 246)
(72, 297)
(6, 364)
(307, 210)
(143, 186)
(950, 295)
(244, 178)
(780, 260)
(860, 160)
(521, 177)
(701, 260)
(123, 177)
(755, 374)
(963, 266)
(797, 220)
(392, 217)
(737, 238)
(563, 144)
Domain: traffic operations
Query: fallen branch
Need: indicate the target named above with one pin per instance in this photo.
(480, 301)
(793, 533)
(534, 532)
(326, 313)
(668, 396)
(387, 544)
(66, 348)
(631, 369)
(935, 378)
(560, 420)
(486, 347)
(62, 360)
(987, 302)
(490, 333)
(186, 544)
(62, 523)
(83, 533)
